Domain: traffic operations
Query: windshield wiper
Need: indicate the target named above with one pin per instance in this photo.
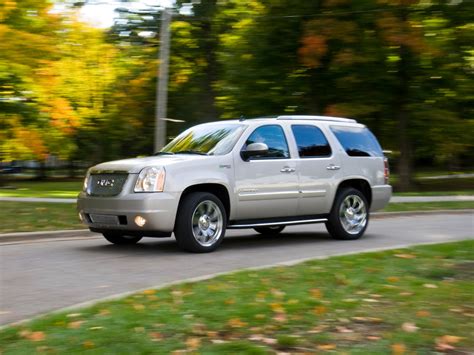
(163, 153)
(190, 152)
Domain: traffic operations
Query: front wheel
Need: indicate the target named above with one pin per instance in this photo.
(349, 216)
(273, 230)
(120, 239)
(201, 222)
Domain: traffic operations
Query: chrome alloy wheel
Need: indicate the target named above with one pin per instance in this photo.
(207, 223)
(353, 214)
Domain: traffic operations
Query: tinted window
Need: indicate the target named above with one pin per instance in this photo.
(311, 141)
(358, 142)
(274, 137)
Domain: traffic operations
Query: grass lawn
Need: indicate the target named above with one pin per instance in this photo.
(428, 206)
(68, 189)
(417, 300)
(32, 217)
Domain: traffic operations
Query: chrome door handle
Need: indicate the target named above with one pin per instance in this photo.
(333, 167)
(287, 169)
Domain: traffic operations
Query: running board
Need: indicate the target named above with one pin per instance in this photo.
(238, 225)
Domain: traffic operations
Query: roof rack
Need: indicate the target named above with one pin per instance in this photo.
(317, 118)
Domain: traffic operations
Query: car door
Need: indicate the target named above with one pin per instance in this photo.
(266, 185)
(319, 169)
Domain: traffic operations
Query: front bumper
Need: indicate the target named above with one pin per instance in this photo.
(381, 195)
(159, 210)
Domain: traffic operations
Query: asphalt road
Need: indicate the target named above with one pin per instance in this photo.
(42, 276)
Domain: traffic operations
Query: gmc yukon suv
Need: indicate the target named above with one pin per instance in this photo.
(264, 173)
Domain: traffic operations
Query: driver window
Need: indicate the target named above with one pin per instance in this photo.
(274, 137)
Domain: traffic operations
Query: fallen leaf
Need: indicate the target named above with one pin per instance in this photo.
(218, 341)
(104, 312)
(370, 300)
(373, 337)
(423, 314)
(406, 293)
(277, 307)
(430, 286)
(88, 344)
(96, 328)
(256, 337)
(236, 323)
(316, 293)
(75, 325)
(229, 301)
(367, 319)
(450, 339)
(139, 329)
(193, 343)
(277, 293)
(260, 316)
(212, 334)
(326, 347)
(138, 307)
(393, 279)
(405, 256)
(398, 349)
(319, 310)
(318, 329)
(341, 329)
(36, 336)
(409, 327)
(280, 317)
(149, 292)
(269, 341)
(155, 336)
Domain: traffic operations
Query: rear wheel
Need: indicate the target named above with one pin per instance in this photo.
(349, 216)
(120, 239)
(269, 230)
(201, 222)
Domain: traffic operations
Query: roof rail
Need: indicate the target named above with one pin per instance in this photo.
(317, 118)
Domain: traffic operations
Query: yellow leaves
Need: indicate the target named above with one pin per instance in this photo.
(398, 349)
(326, 347)
(393, 279)
(75, 325)
(236, 323)
(423, 313)
(193, 343)
(138, 307)
(149, 292)
(316, 293)
(32, 336)
(88, 344)
(446, 342)
(319, 310)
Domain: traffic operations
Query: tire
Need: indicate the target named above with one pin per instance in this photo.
(119, 239)
(200, 223)
(269, 230)
(349, 216)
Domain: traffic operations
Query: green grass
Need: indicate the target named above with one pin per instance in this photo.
(416, 300)
(436, 193)
(53, 189)
(32, 217)
(428, 206)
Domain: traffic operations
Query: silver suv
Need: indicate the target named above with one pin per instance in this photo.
(264, 173)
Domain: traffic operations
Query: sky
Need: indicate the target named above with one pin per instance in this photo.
(100, 13)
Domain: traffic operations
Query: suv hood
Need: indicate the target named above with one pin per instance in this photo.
(135, 165)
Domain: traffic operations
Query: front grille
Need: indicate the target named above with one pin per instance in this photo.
(106, 184)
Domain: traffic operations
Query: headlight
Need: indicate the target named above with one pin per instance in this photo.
(151, 179)
(86, 181)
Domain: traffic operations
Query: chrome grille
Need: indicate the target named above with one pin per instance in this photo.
(106, 184)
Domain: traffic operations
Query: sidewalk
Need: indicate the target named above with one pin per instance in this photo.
(394, 199)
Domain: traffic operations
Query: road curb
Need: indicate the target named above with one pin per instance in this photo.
(65, 234)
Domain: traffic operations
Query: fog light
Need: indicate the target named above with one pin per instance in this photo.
(140, 221)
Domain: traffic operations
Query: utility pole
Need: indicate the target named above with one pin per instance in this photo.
(162, 81)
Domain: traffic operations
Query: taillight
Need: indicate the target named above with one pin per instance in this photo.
(386, 170)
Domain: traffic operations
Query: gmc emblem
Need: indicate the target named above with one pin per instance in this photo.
(106, 182)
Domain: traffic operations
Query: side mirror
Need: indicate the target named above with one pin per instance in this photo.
(254, 150)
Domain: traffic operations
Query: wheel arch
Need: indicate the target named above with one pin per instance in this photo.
(359, 184)
(219, 190)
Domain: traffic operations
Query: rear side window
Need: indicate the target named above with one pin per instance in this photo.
(357, 141)
(311, 141)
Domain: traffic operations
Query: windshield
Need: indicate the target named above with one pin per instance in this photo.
(209, 139)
